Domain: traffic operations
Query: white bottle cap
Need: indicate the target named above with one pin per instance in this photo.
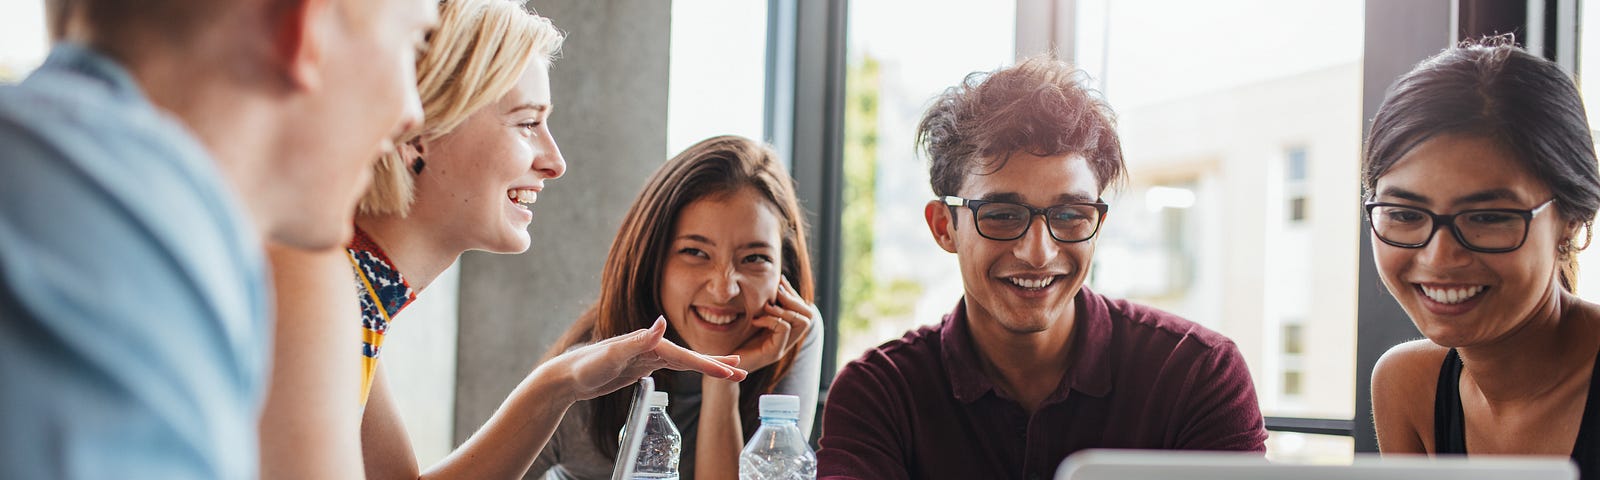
(657, 399)
(780, 406)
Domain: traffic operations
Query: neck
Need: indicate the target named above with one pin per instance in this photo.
(1016, 361)
(233, 121)
(416, 254)
(1536, 358)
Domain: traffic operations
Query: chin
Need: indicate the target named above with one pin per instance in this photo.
(513, 243)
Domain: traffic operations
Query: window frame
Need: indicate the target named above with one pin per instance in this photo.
(805, 105)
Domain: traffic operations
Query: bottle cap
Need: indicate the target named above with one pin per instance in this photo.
(657, 399)
(780, 406)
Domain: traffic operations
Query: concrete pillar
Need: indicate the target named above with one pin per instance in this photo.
(609, 87)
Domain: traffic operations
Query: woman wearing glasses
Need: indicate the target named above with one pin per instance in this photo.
(465, 181)
(1480, 179)
(715, 242)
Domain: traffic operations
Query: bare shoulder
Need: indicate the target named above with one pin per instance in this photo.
(1403, 386)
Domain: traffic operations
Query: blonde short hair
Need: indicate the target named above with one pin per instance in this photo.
(476, 55)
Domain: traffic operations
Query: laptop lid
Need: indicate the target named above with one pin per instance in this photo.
(1169, 464)
(633, 431)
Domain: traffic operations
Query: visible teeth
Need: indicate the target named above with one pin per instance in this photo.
(717, 319)
(1451, 296)
(522, 196)
(1032, 282)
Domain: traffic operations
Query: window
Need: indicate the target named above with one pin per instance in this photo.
(1589, 83)
(1294, 184)
(717, 72)
(1293, 344)
(1273, 122)
(899, 55)
(1291, 383)
(23, 40)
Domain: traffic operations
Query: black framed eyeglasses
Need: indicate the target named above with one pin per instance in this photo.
(1489, 230)
(1068, 223)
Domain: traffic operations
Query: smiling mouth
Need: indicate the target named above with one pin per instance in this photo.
(1033, 282)
(1451, 295)
(522, 196)
(718, 318)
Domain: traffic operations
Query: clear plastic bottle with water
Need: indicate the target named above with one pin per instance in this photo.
(778, 451)
(658, 450)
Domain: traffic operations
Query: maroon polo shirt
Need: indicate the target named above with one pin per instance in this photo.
(921, 406)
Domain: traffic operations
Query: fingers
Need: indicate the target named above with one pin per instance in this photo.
(799, 323)
(679, 358)
(644, 340)
(782, 332)
(788, 296)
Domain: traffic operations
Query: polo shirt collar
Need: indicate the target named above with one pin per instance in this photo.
(68, 56)
(1090, 371)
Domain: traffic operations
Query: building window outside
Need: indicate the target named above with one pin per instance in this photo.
(1294, 184)
(1253, 141)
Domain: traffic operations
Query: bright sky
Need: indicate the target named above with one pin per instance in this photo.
(22, 35)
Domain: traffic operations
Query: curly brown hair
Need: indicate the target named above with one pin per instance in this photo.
(1039, 106)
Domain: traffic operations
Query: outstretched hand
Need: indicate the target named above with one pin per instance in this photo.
(608, 365)
(786, 322)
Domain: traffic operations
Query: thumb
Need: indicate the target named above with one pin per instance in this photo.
(650, 336)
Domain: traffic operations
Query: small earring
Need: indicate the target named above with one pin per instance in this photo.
(416, 166)
(1588, 236)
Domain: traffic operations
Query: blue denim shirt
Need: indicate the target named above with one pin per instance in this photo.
(134, 327)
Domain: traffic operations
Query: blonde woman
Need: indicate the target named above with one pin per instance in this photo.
(466, 181)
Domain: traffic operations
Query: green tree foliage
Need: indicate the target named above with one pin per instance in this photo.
(863, 297)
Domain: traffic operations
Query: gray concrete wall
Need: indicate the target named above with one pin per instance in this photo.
(610, 119)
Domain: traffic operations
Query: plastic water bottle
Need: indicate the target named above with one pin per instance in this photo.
(658, 450)
(778, 451)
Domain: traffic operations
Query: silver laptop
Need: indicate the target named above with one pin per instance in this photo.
(1168, 464)
(633, 432)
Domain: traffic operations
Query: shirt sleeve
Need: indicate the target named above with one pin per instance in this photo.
(1220, 411)
(805, 377)
(864, 426)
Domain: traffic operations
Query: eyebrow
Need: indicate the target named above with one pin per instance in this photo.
(1474, 197)
(697, 238)
(702, 239)
(1013, 197)
(536, 107)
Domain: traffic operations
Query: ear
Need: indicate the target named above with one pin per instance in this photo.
(413, 148)
(940, 224)
(297, 41)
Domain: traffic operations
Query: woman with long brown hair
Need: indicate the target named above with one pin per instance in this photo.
(715, 242)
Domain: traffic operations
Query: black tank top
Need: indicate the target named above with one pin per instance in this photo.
(1450, 423)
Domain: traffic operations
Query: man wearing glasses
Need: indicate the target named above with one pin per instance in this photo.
(1031, 365)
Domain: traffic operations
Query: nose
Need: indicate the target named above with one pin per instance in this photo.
(549, 162)
(1036, 247)
(1445, 250)
(724, 285)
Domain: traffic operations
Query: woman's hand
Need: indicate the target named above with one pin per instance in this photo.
(605, 366)
(786, 321)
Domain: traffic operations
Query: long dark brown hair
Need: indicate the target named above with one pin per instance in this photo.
(1492, 89)
(630, 284)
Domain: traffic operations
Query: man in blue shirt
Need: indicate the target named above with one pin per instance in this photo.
(139, 176)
